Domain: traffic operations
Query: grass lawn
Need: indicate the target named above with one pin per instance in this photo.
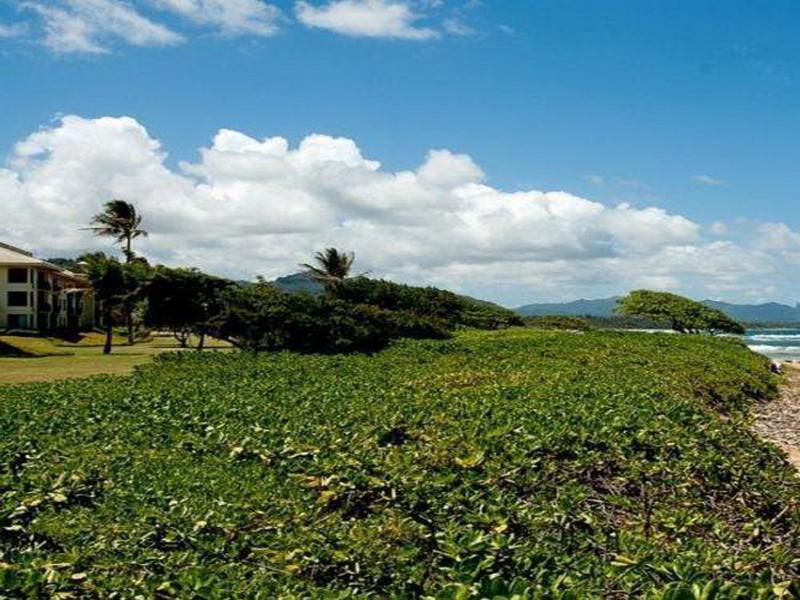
(53, 359)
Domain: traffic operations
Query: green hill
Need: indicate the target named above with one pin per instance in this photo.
(298, 283)
(603, 307)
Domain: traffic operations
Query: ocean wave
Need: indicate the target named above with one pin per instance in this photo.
(773, 337)
(772, 350)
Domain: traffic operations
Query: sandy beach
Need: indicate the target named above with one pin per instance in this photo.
(779, 421)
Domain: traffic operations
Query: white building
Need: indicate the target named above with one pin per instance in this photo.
(37, 295)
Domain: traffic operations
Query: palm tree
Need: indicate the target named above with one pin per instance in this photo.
(119, 220)
(332, 267)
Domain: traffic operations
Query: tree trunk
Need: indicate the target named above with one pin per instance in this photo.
(109, 335)
(129, 309)
(181, 336)
(201, 344)
(129, 319)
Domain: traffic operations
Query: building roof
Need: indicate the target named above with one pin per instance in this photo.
(11, 256)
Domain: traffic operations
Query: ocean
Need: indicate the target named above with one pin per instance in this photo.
(778, 344)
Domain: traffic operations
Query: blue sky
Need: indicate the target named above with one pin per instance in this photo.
(686, 106)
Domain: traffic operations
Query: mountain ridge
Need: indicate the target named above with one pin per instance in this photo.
(768, 312)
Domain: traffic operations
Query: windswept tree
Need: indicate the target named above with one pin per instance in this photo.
(107, 276)
(331, 267)
(121, 221)
(680, 314)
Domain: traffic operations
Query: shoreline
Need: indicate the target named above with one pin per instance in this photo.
(778, 421)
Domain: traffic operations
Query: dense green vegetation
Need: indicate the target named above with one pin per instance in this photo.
(517, 463)
(429, 302)
(262, 318)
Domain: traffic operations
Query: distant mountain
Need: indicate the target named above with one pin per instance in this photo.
(65, 263)
(603, 307)
(771, 312)
(298, 283)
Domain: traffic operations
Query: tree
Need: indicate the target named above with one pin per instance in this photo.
(681, 314)
(121, 221)
(107, 277)
(184, 301)
(332, 267)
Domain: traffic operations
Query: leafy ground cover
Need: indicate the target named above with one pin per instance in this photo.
(498, 464)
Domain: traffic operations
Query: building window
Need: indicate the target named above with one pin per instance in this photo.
(18, 322)
(18, 276)
(18, 299)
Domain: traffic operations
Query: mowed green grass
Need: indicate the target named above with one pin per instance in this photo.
(50, 359)
(509, 464)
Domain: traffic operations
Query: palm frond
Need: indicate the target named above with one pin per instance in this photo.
(119, 220)
(331, 266)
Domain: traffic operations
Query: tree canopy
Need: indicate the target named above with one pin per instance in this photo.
(679, 313)
(183, 301)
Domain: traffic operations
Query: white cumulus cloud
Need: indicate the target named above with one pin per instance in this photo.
(250, 206)
(365, 18)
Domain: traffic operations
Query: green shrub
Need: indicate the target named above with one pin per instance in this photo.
(388, 295)
(262, 318)
(441, 305)
(521, 463)
(404, 324)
